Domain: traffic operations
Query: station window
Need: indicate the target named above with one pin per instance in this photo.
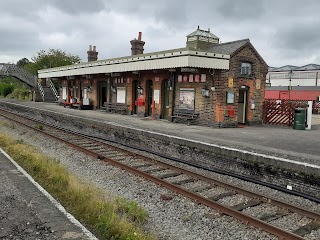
(246, 68)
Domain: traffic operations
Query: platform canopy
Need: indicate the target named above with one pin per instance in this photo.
(158, 60)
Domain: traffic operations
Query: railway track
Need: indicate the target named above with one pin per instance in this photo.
(202, 189)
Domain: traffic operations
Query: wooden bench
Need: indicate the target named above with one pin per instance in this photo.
(115, 107)
(184, 114)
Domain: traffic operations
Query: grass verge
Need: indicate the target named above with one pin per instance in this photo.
(106, 217)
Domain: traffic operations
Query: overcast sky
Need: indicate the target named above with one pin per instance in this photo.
(284, 32)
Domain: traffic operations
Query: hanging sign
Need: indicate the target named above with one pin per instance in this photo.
(193, 70)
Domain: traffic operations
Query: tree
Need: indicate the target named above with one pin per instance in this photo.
(22, 62)
(50, 59)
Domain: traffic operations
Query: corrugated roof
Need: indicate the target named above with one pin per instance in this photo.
(228, 47)
(285, 68)
(310, 66)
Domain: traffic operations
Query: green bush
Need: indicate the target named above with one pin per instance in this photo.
(20, 93)
(6, 89)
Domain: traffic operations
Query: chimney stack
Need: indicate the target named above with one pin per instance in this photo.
(92, 54)
(137, 45)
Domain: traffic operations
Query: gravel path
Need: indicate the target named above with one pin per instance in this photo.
(178, 218)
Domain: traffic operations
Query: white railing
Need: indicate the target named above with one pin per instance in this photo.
(41, 91)
(54, 90)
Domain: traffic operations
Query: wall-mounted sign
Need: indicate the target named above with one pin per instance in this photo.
(197, 78)
(179, 78)
(203, 77)
(156, 79)
(230, 82)
(193, 70)
(230, 97)
(258, 83)
(156, 96)
(186, 98)
(121, 95)
(128, 80)
(185, 78)
(115, 74)
(190, 78)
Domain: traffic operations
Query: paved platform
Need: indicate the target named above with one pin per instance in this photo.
(283, 143)
(28, 212)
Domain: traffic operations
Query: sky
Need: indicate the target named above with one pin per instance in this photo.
(284, 32)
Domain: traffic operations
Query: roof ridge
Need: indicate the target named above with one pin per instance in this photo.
(241, 40)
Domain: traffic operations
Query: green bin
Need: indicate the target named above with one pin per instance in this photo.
(299, 119)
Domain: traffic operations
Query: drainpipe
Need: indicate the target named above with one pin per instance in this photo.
(173, 92)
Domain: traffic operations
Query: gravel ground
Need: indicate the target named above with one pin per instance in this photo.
(178, 218)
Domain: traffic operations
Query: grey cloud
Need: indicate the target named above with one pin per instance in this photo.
(241, 10)
(75, 7)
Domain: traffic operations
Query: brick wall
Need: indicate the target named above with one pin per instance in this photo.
(259, 69)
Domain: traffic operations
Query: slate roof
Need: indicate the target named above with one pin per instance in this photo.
(203, 33)
(228, 47)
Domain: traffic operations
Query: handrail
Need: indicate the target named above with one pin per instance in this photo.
(41, 91)
(54, 90)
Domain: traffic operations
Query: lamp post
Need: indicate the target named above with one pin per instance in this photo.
(290, 78)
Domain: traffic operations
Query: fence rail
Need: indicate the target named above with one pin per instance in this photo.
(281, 112)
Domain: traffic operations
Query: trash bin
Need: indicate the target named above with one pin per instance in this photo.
(299, 119)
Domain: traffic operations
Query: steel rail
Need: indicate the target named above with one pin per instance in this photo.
(282, 234)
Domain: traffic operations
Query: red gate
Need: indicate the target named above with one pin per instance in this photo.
(281, 112)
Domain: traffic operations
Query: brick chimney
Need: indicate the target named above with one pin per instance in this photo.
(92, 54)
(137, 45)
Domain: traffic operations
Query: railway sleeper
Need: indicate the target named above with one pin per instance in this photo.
(201, 188)
(169, 175)
(308, 228)
(143, 165)
(244, 205)
(155, 170)
(268, 217)
(222, 195)
(181, 182)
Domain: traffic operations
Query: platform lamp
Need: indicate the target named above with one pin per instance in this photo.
(290, 86)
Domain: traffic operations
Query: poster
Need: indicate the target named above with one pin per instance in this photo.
(186, 98)
(258, 84)
(203, 77)
(156, 96)
(190, 78)
(230, 82)
(230, 97)
(121, 95)
(64, 93)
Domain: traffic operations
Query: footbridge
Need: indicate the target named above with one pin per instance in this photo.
(40, 93)
(13, 70)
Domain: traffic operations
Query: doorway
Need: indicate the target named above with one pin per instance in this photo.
(165, 98)
(149, 97)
(102, 93)
(135, 96)
(242, 105)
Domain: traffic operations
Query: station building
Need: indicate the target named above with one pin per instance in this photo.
(222, 84)
(294, 82)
